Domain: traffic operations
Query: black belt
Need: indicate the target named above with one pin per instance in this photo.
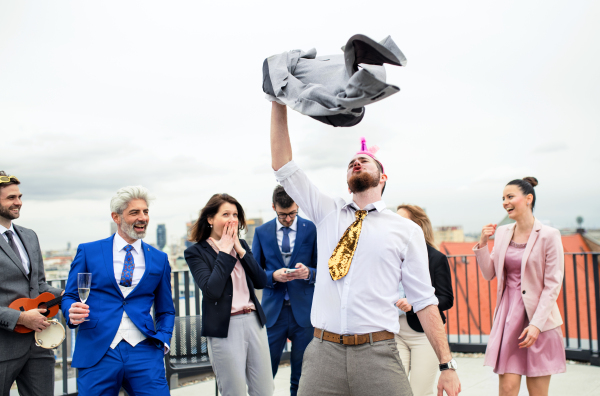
(287, 302)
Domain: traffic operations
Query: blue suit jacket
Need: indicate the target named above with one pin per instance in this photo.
(267, 254)
(107, 303)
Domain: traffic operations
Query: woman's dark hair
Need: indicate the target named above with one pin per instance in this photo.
(526, 186)
(201, 229)
(281, 198)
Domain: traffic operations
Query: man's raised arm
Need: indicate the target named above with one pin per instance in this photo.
(281, 148)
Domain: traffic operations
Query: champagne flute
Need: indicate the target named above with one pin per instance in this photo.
(84, 281)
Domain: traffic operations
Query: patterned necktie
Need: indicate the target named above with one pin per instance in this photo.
(339, 262)
(12, 244)
(128, 267)
(285, 242)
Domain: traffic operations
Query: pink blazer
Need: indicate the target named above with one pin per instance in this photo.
(542, 271)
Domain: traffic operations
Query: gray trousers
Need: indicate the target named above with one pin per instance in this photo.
(242, 358)
(34, 373)
(364, 370)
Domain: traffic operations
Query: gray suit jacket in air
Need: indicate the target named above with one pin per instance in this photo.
(14, 284)
(333, 89)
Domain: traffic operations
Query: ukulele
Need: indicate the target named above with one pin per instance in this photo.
(45, 301)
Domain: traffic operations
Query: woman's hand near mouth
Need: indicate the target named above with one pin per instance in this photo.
(486, 233)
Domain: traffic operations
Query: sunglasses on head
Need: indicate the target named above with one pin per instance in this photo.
(8, 179)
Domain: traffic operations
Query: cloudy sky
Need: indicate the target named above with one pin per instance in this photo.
(98, 95)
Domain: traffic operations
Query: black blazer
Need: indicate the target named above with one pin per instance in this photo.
(212, 273)
(439, 271)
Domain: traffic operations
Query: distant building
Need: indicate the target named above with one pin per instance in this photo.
(252, 224)
(113, 227)
(161, 236)
(448, 234)
(188, 227)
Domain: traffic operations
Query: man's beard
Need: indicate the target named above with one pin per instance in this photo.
(7, 214)
(130, 232)
(362, 182)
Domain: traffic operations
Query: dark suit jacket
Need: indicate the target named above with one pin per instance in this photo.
(439, 271)
(107, 303)
(212, 273)
(15, 284)
(267, 253)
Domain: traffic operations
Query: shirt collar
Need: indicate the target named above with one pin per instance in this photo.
(293, 227)
(120, 243)
(4, 229)
(379, 205)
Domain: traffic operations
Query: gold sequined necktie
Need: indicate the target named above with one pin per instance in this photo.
(339, 262)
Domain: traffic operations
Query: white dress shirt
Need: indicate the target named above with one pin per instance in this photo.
(127, 330)
(390, 250)
(20, 246)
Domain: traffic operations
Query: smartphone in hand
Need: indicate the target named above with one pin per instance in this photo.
(290, 270)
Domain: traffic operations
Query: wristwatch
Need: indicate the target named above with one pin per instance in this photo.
(451, 365)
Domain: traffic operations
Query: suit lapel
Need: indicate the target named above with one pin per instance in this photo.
(209, 248)
(272, 232)
(148, 260)
(300, 235)
(535, 232)
(107, 252)
(11, 254)
(503, 246)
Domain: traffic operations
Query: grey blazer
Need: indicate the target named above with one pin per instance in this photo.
(333, 89)
(15, 284)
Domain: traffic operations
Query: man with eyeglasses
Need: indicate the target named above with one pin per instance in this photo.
(21, 276)
(286, 247)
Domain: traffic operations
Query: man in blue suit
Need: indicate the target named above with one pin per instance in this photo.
(286, 247)
(121, 342)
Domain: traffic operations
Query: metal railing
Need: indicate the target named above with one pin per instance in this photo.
(470, 320)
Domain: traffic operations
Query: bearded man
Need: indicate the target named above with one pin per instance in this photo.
(364, 252)
(21, 276)
(119, 342)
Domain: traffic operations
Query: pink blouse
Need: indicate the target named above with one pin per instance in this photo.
(241, 294)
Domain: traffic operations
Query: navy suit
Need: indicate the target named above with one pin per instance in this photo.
(290, 320)
(144, 372)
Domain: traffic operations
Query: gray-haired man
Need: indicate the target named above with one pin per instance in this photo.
(119, 343)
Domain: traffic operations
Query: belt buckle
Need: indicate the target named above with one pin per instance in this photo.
(247, 310)
(341, 341)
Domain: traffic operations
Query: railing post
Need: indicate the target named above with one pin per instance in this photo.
(595, 358)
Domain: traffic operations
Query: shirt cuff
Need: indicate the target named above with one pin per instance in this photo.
(168, 349)
(286, 171)
(419, 305)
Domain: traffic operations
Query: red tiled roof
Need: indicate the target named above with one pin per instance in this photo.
(571, 243)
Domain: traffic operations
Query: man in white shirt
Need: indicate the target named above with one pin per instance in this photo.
(119, 342)
(353, 352)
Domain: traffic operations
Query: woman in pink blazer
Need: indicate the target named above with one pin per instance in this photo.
(528, 259)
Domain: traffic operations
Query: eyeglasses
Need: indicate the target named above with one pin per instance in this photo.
(8, 179)
(283, 216)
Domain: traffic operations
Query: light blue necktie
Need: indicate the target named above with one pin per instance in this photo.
(128, 266)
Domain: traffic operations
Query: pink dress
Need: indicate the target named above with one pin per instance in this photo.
(546, 356)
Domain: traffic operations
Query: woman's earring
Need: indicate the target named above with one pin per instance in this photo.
(210, 225)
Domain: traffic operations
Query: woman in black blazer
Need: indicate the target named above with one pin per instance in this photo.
(232, 319)
(416, 353)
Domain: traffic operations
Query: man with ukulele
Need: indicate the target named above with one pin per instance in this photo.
(21, 276)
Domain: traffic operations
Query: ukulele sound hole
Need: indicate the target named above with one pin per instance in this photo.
(43, 306)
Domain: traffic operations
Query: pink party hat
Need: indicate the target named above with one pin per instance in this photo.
(369, 151)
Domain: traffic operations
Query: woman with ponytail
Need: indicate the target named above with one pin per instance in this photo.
(528, 260)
